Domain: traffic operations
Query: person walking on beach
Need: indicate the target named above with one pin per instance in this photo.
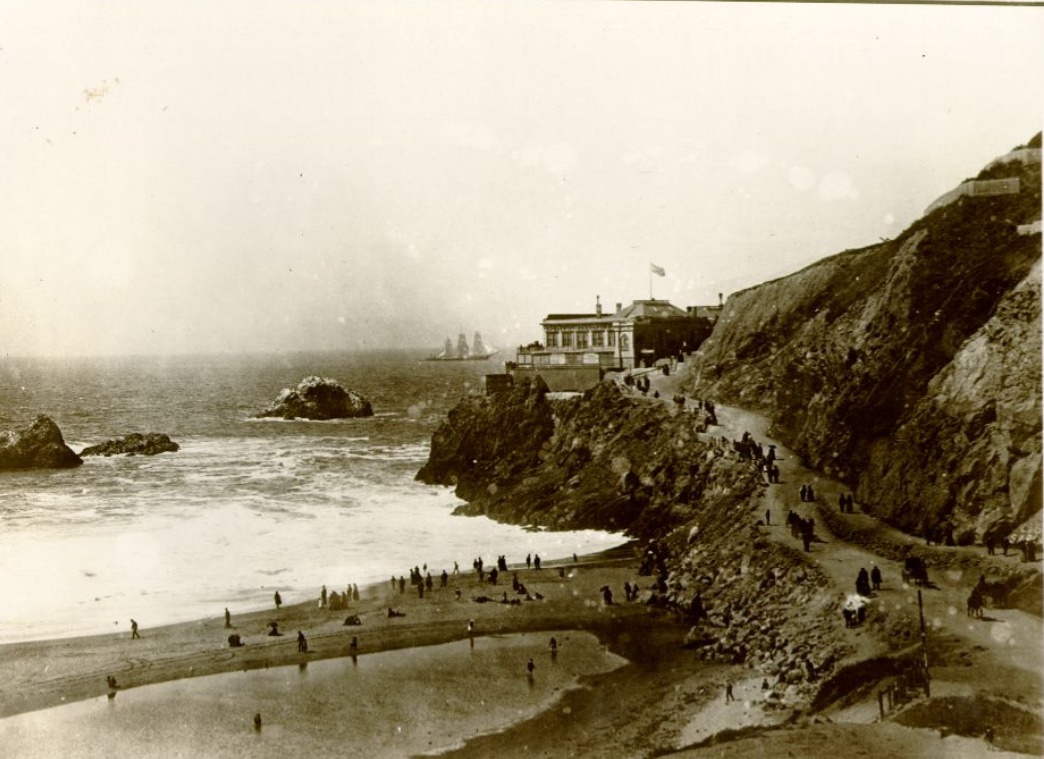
(278, 600)
(728, 693)
(228, 619)
(302, 642)
(134, 630)
(530, 666)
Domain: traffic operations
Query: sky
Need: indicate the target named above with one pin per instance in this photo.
(182, 176)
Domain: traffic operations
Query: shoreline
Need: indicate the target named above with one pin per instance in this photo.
(40, 674)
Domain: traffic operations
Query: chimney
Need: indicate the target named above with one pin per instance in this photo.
(598, 305)
(618, 307)
(721, 303)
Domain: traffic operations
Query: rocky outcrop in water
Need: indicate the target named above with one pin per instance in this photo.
(39, 446)
(318, 398)
(909, 369)
(134, 444)
(605, 460)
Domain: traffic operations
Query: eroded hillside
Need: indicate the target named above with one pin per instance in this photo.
(909, 369)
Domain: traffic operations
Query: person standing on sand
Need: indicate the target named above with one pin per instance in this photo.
(302, 642)
(134, 630)
(530, 666)
(322, 598)
(228, 619)
(278, 600)
(768, 517)
(728, 693)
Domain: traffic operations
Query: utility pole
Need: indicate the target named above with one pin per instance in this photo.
(924, 646)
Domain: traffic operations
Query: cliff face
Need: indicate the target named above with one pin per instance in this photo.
(605, 460)
(910, 369)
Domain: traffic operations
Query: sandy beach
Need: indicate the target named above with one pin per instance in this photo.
(44, 674)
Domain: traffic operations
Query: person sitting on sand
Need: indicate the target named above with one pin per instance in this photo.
(395, 613)
(234, 641)
(351, 620)
(273, 630)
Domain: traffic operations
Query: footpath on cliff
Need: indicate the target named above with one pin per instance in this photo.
(985, 672)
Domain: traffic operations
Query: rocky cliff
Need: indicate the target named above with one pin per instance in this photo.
(39, 446)
(910, 369)
(318, 398)
(605, 460)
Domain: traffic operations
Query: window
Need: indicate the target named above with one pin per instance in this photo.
(567, 339)
(598, 338)
(552, 339)
(581, 339)
(612, 339)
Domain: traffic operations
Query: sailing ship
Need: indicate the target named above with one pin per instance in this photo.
(477, 351)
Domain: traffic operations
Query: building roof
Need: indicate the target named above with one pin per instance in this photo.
(639, 309)
(656, 309)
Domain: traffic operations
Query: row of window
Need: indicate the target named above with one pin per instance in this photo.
(584, 339)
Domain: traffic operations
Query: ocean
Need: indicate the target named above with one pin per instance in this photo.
(247, 506)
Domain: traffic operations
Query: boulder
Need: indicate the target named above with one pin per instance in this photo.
(40, 446)
(318, 398)
(134, 444)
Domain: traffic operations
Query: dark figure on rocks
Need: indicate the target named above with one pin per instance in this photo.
(768, 516)
(810, 493)
(875, 577)
(804, 493)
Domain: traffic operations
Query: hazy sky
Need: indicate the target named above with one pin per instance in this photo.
(253, 176)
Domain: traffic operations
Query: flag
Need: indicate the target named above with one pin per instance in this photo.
(658, 270)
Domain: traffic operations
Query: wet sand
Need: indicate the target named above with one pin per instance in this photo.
(42, 674)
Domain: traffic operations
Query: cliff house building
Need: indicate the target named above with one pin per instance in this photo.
(578, 349)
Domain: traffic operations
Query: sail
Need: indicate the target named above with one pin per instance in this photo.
(477, 347)
(447, 349)
(462, 346)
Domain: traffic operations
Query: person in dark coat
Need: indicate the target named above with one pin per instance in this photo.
(875, 577)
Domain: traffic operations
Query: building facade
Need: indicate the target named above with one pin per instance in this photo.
(578, 349)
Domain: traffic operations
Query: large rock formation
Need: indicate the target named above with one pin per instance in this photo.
(318, 398)
(39, 446)
(605, 460)
(910, 369)
(134, 444)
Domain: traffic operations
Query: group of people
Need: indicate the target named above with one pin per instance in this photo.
(845, 504)
(337, 601)
(802, 528)
(764, 458)
(868, 582)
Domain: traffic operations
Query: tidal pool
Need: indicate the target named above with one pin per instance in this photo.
(393, 704)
